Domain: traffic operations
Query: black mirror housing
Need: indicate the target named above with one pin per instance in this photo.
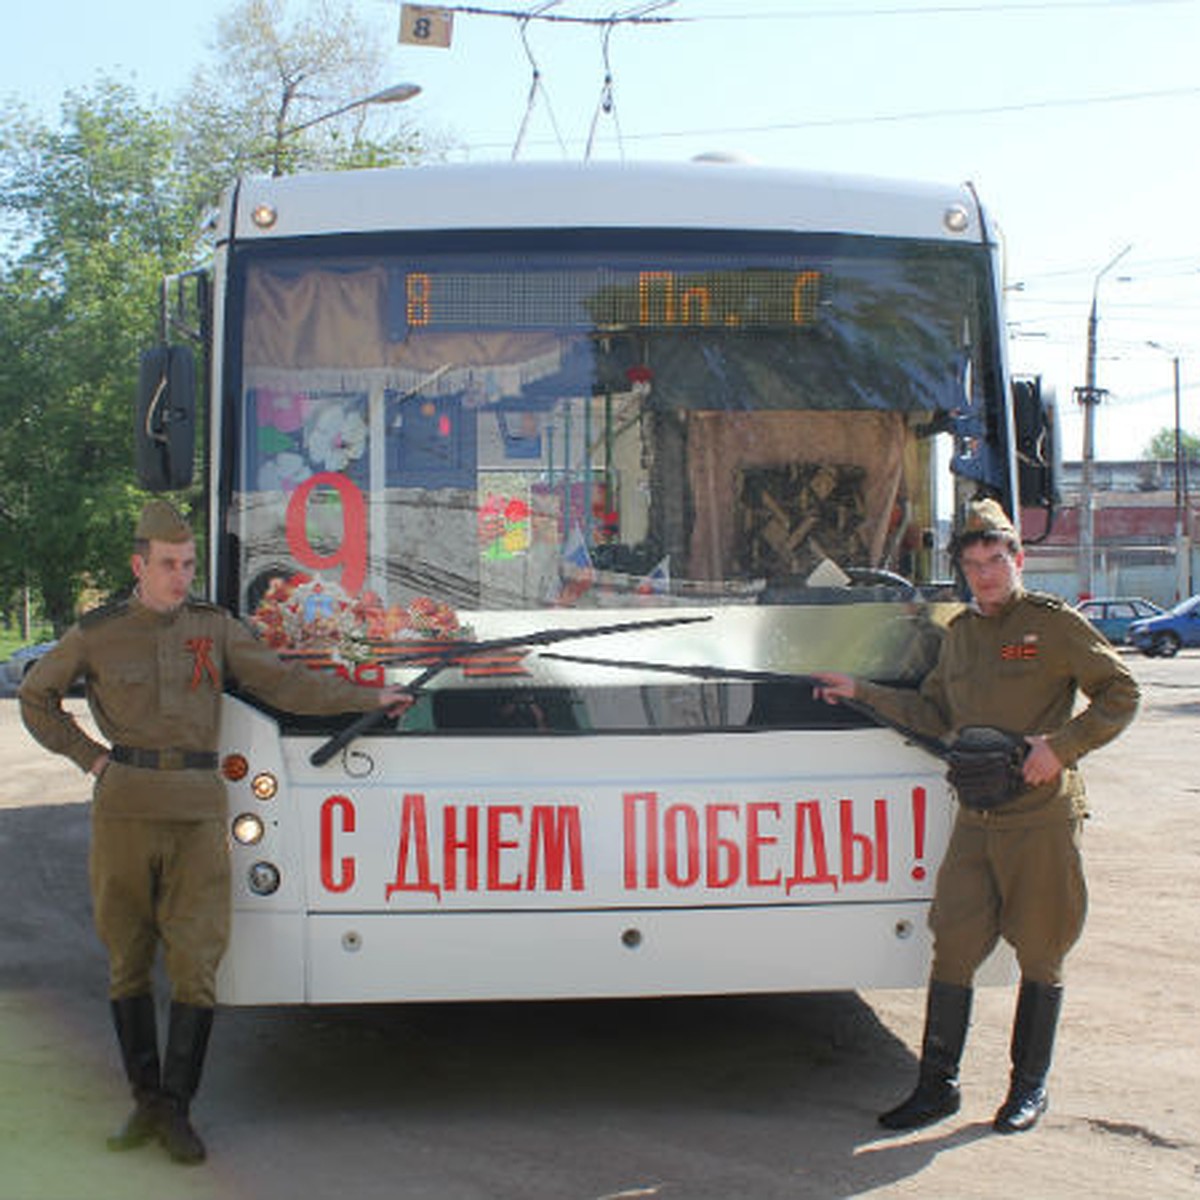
(1035, 418)
(165, 418)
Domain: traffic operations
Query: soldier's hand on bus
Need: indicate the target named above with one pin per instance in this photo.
(834, 686)
(1042, 765)
(101, 762)
(396, 700)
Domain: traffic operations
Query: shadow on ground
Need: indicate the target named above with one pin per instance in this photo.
(758, 1097)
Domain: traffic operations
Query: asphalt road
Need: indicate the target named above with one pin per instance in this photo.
(710, 1099)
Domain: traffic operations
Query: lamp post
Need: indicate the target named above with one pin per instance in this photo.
(1089, 397)
(396, 94)
(1183, 546)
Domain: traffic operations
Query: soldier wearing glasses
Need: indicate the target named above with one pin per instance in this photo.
(1012, 660)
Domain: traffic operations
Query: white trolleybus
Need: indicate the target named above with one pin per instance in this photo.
(603, 460)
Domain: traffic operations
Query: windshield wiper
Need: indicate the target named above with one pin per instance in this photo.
(699, 671)
(460, 653)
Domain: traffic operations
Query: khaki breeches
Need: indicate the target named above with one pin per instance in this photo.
(1024, 885)
(162, 881)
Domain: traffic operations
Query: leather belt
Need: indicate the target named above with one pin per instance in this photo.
(165, 760)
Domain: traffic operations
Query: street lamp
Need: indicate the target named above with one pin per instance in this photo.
(396, 94)
(1183, 548)
(1089, 397)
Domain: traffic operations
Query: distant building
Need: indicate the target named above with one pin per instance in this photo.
(1135, 536)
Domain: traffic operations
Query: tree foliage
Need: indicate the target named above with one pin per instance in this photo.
(94, 211)
(1162, 446)
(275, 70)
(93, 226)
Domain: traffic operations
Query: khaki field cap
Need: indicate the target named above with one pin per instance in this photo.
(986, 516)
(160, 522)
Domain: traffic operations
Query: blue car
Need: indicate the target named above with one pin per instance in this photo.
(1164, 635)
(1113, 615)
(14, 669)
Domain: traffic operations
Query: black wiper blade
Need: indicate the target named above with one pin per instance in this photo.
(450, 654)
(701, 671)
(695, 671)
(459, 653)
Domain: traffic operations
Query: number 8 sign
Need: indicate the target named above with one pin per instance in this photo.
(422, 25)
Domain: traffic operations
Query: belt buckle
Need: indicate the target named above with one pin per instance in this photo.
(170, 760)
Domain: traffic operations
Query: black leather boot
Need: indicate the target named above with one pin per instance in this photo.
(1038, 1005)
(137, 1035)
(187, 1043)
(947, 1015)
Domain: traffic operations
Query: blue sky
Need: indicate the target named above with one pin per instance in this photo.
(1072, 118)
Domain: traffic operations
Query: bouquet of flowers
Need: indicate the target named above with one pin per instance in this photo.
(313, 615)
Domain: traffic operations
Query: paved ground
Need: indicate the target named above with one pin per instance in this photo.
(744, 1099)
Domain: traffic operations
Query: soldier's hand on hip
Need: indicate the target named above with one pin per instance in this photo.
(1042, 765)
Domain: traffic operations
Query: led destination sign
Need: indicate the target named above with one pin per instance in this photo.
(607, 298)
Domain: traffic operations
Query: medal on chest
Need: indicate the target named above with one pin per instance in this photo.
(1026, 650)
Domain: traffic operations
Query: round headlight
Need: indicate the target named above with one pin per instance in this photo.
(247, 829)
(263, 878)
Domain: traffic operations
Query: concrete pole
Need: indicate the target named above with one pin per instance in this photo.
(1089, 397)
(1183, 538)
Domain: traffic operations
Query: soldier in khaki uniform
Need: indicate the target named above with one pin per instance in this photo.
(1013, 660)
(155, 666)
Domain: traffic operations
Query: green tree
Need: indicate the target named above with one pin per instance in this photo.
(1162, 445)
(93, 222)
(93, 213)
(275, 69)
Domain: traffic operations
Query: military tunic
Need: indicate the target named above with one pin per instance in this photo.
(1015, 872)
(159, 858)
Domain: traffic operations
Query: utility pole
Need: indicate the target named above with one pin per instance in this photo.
(1183, 531)
(1183, 540)
(1089, 396)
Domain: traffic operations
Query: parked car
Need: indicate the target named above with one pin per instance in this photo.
(21, 662)
(14, 669)
(1162, 636)
(1113, 615)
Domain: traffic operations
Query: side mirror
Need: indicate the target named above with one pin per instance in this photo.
(165, 418)
(1035, 419)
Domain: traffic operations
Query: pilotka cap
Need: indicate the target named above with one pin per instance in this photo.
(987, 517)
(160, 522)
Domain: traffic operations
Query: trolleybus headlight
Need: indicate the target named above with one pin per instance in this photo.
(264, 785)
(235, 767)
(263, 878)
(248, 829)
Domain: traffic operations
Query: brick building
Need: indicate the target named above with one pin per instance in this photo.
(1137, 550)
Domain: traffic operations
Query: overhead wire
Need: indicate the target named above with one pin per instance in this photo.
(915, 115)
(903, 10)
(907, 10)
(649, 13)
